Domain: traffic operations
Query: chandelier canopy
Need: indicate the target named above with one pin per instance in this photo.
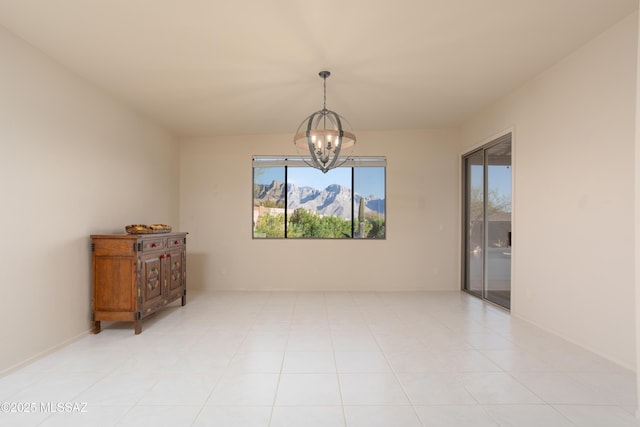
(321, 139)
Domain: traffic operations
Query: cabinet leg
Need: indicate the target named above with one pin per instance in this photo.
(96, 328)
(184, 300)
(137, 326)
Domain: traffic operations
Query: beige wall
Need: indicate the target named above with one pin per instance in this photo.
(574, 129)
(420, 252)
(74, 162)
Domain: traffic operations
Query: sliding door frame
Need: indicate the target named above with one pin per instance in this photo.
(465, 188)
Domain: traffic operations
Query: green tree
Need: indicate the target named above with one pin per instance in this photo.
(270, 226)
(497, 203)
(303, 223)
(271, 204)
(375, 227)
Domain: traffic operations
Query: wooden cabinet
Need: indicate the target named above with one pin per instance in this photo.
(133, 275)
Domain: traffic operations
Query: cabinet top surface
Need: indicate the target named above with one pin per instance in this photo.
(136, 236)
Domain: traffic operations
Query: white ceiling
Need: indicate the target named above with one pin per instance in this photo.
(205, 67)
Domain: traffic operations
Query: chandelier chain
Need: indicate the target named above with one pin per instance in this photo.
(324, 105)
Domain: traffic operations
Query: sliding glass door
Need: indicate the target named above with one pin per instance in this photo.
(474, 223)
(487, 222)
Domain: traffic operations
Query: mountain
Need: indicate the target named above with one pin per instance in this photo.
(272, 193)
(334, 200)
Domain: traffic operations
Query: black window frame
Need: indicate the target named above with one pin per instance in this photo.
(292, 161)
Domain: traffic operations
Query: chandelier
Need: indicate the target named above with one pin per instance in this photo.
(321, 140)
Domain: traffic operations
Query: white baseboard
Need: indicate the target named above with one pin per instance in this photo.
(44, 353)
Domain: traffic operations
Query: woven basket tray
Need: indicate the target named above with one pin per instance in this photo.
(147, 229)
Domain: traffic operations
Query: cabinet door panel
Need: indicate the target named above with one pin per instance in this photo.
(151, 281)
(176, 272)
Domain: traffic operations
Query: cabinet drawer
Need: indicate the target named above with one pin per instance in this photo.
(173, 242)
(153, 245)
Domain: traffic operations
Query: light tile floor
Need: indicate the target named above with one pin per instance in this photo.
(324, 359)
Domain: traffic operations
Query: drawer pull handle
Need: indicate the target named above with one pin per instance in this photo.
(177, 242)
(162, 257)
(154, 245)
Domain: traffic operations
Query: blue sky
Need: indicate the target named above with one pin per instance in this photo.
(368, 180)
(499, 178)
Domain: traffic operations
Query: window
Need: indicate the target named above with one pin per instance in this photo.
(292, 200)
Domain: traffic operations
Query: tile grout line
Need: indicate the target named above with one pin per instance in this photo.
(335, 364)
(284, 355)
